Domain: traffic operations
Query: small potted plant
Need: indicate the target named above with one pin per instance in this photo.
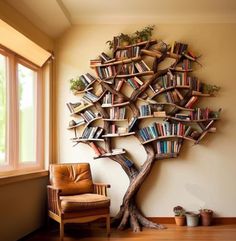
(77, 84)
(125, 39)
(206, 216)
(210, 89)
(180, 218)
(145, 34)
(192, 219)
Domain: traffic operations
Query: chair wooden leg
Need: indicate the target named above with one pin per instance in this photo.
(108, 224)
(61, 230)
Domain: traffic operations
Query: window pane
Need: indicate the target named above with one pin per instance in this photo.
(3, 105)
(27, 109)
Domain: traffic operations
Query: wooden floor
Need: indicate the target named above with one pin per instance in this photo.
(173, 232)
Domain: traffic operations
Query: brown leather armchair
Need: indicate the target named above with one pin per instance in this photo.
(74, 198)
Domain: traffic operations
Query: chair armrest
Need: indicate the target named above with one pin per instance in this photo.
(54, 204)
(101, 188)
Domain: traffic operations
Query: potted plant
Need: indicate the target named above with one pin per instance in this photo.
(125, 39)
(179, 215)
(206, 216)
(77, 84)
(210, 89)
(145, 34)
(192, 219)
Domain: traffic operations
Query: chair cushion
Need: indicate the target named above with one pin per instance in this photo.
(73, 178)
(82, 202)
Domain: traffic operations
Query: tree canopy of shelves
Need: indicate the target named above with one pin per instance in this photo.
(131, 86)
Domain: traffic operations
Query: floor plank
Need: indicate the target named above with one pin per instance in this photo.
(172, 232)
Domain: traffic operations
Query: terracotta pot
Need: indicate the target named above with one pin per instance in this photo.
(206, 217)
(180, 220)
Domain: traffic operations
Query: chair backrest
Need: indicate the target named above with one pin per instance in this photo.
(72, 178)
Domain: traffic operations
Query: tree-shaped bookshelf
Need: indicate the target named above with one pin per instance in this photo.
(164, 97)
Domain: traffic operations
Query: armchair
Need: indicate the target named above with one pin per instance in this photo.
(74, 198)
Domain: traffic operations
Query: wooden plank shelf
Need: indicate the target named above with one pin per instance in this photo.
(109, 154)
(151, 42)
(167, 137)
(123, 61)
(145, 117)
(75, 126)
(118, 134)
(153, 102)
(115, 105)
(170, 88)
(115, 119)
(131, 75)
(179, 69)
(86, 140)
(83, 108)
(190, 121)
(152, 53)
(82, 91)
(166, 155)
(197, 93)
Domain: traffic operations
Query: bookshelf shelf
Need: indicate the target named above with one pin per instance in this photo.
(83, 108)
(190, 121)
(87, 140)
(176, 69)
(145, 117)
(163, 90)
(115, 105)
(115, 119)
(151, 42)
(151, 53)
(124, 61)
(82, 91)
(75, 126)
(166, 156)
(118, 134)
(109, 154)
(131, 75)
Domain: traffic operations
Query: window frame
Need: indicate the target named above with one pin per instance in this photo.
(14, 166)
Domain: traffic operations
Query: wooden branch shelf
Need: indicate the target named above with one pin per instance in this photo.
(167, 137)
(86, 140)
(75, 126)
(151, 42)
(124, 61)
(115, 105)
(118, 134)
(131, 75)
(170, 88)
(190, 121)
(115, 119)
(151, 53)
(166, 155)
(82, 91)
(94, 119)
(179, 69)
(109, 154)
(166, 103)
(84, 108)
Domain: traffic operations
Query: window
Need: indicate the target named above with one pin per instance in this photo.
(21, 114)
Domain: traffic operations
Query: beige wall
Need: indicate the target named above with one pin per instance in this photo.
(23, 204)
(203, 175)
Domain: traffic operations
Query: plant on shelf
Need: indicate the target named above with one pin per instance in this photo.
(77, 84)
(206, 216)
(144, 34)
(210, 89)
(180, 218)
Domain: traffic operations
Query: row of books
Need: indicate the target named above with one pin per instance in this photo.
(178, 80)
(161, 129)
(178, 48)
(105, 58)
(197, 114)
(88, 115)
(145, 110)
(114, 129)
(108, 99)
(117, 113)
(92, 132)
(77, 107)
(185, 65)
(135, 82)
(105, 72)
(131, 52)
(87, 79)
(168, 147)
(173, 96)
(90, 97)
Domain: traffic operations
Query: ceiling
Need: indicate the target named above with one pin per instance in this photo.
(53, 17)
